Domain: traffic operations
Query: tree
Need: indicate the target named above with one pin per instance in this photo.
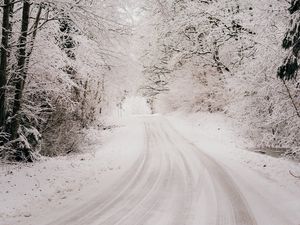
(3, 57)
(21, 71)
(291, 42)
(204, 41)
(63, 71)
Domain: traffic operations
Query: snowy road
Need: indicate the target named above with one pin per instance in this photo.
(173, 182)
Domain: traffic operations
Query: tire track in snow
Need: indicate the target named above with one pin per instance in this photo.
(172, 183)
(232, 207)
(103, 202)
(144, 204)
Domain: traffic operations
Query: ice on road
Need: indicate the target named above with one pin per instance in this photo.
(173, 182)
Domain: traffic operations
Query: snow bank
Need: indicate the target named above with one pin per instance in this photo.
(219, 136)
(30, 190)
(261, 178)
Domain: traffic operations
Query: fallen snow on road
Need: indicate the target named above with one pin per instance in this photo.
(269, 177)
(139, 173)
(220, 136)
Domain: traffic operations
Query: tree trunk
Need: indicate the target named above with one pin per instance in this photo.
(291, 98)
(21, 72)
(3, 60)
(11, 16)
(34, 33)
(33, 37)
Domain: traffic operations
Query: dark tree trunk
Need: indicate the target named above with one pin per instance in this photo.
(11, 16)
(3, 60)
(34, 33)
(21, 72)
(83, 106)
(33, 37)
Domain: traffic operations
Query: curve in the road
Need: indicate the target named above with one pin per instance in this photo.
(172, 183)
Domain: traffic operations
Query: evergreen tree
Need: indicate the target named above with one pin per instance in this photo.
(291, 41)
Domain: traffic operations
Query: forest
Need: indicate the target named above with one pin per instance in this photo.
(142, 112)
(65, 64)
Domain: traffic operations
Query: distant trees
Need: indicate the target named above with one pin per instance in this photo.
(201, 41)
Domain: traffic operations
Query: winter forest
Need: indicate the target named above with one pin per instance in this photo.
(91, 89)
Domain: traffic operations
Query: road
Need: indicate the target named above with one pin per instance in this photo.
(173, 182)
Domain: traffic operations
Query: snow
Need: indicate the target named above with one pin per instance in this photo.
(131, 106)
(135, 106)
(218, 136)
(28, 191)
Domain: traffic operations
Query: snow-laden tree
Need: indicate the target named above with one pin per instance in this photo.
(202, 40)
(57, 71)
(223, 56)
(267, 106)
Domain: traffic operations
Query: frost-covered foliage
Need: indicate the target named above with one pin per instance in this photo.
(223, 56)
(83, 58)
(73, 60)
(202, 42)
(267, 106)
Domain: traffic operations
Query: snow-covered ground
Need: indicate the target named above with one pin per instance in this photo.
(52, 188)
(220, 136)
(52, 185)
